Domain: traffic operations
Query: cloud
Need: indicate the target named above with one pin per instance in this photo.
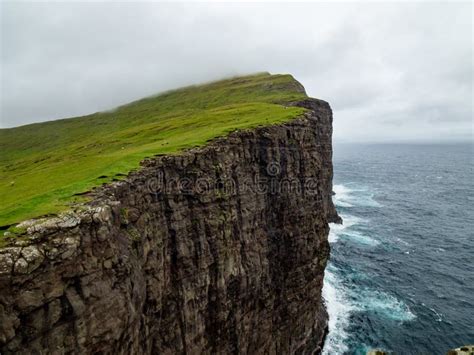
(390, 71)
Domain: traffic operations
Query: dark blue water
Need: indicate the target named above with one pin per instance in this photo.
(401, 275)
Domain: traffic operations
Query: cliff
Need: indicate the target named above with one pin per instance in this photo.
(219, 249)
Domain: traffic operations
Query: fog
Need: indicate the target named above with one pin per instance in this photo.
(391, 71)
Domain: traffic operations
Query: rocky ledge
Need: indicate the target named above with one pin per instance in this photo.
(221, 249)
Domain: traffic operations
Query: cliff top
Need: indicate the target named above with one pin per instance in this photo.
(46, 166)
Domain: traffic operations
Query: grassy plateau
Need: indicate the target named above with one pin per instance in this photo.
(43, 166)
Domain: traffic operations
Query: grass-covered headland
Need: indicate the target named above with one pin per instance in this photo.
(44, 165)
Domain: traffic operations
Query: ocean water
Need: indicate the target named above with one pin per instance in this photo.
(401, 274)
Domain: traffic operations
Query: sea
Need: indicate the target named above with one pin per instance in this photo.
(401, 273)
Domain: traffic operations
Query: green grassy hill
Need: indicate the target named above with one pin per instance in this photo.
(43, 165)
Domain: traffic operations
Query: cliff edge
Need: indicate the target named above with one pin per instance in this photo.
(219, 249)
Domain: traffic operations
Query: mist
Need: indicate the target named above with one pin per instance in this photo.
(392, 72)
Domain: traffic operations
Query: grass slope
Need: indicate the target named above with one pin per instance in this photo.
(43, 165)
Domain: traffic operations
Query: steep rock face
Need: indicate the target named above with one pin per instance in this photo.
(221, 249)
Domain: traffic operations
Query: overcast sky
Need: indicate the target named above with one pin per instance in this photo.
(391, 72)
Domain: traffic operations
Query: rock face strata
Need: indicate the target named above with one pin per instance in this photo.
(220, 249)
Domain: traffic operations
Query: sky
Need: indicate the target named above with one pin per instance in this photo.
(392, 72)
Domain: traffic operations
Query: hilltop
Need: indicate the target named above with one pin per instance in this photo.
(211, 266)
(45, 167)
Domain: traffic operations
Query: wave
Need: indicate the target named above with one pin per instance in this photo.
(337, 229)
(349, 197)
(383, 304)
(339, 309)
(361, 238)
(342, 301)
(342, 195)
(344, 298)
(438, 316)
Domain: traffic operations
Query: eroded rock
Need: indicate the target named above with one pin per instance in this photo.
(221, 249)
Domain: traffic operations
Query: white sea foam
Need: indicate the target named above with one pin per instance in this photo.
(383, 304)
(336, 296)
(439, 316)
(346, 196)
(342, 196)
(401, 241)
(339, 309)
(341, 300)
(360, 238)
(337, 229)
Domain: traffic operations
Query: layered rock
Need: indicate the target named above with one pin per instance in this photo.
(220, 249)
